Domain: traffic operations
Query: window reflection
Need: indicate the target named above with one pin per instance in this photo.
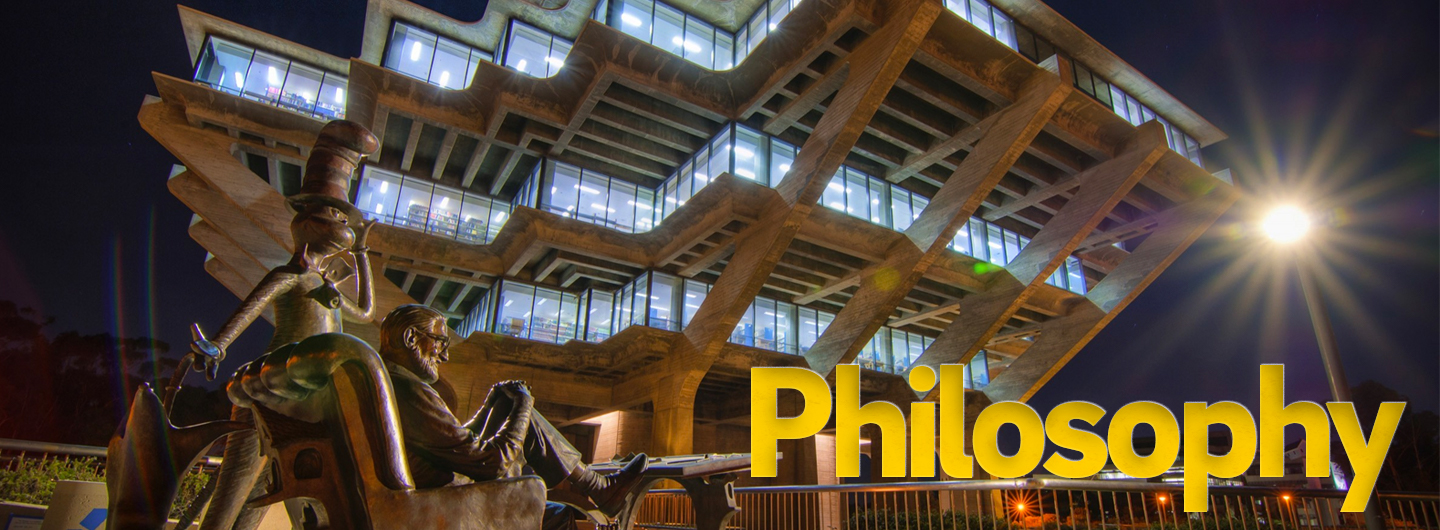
(419, 204)
(437, 60)
(269, 78)
(534, 51)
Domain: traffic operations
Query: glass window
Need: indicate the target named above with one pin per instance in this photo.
(1004, 29)
(758, 29)
(635, 18)
(452, 60)
(879, 207)
(979, 371)
(995, 240)
(784, 327)
(724, 50)
(621, 208)
(745, 329)
(564, 196)
(663, 288)
(694, 296)
(980, 16)
(533, 51)
(594, 189)
(962, 243)
(413, 210)
(331, 104)
(377, 194)
(1075, 274)
(809, 329)
(900, 209)
(1012, 246)
(978, 243)
(857, 201)
(412, 50)
(223, 65)
(444, 212)
(265, 77)
(778, 10)
(641, 303)
(624, 307)
(720, 154)
(834, 194)
(765, 334)
(516, 304)
(749, 156)
(599, 316)
(669, 29)
(782, 155)
(545, 322)
(699, 43)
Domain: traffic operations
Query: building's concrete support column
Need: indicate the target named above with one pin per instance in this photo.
(884, 286)
(1101, 187)
(875, 65)
(1060, 339)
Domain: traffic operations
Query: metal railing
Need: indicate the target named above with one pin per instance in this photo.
(1050, 504)
(12, 450)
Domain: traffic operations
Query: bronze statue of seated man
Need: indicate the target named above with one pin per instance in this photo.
(505, 435)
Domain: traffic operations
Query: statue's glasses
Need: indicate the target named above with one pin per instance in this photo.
(442, 339)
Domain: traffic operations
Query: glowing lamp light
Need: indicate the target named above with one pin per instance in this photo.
(630, 20)
(1286, 224)
(1019, 506)
(1285, 497)
(445, 78)
(1162, 499)
(272, 76)
(415, 52)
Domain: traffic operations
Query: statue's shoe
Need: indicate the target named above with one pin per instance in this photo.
(618, 486)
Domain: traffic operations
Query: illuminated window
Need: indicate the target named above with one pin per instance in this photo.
(269, 78)
(534, 51)
(437, 60)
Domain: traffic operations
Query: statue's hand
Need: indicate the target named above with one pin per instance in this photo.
(362, 235)
(515, 389)
(209, 356)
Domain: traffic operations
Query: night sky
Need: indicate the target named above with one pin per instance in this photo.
(1335, 95)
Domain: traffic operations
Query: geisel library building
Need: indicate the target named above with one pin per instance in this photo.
(630, 204)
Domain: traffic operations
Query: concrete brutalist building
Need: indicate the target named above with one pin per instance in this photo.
(629, 204)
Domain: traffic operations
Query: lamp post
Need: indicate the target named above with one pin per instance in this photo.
(1288, 225)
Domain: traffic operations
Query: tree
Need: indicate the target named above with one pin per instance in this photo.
(1411, 464)
(74, 388)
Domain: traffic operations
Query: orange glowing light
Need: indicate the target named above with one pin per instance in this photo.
(1020, 506)
(1286, 497)
(1162, 499)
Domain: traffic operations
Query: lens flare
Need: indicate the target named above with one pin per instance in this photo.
(1286, 224)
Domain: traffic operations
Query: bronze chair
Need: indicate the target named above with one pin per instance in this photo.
(327, 421)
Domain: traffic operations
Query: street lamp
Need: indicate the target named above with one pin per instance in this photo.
(1289, 225)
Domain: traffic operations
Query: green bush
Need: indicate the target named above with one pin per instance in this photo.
(32, 480)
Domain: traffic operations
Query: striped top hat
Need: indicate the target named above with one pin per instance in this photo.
(337, 152)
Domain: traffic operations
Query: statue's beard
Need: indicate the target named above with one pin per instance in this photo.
(429, 364)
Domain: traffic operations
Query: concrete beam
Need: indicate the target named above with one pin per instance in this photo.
(875, 64)
(1101, 188)
(447, 145)
(1060, 339)
(806, 101)
(412, 144)
(472, 168)
(712, 256)
(511, 160)
(886, 285)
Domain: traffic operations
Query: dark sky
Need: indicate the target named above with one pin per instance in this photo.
(1339, 94)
